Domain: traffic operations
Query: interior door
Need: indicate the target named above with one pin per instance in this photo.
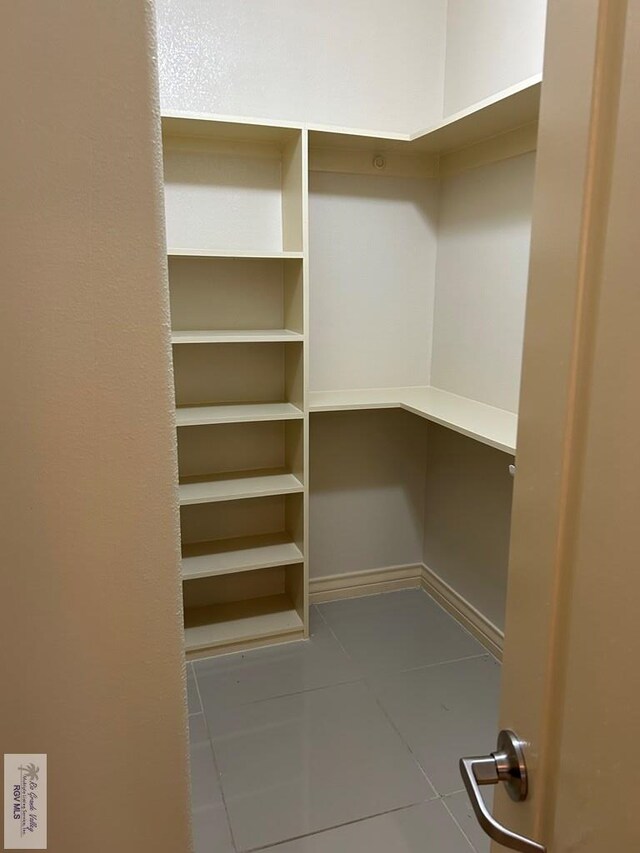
(571, 677)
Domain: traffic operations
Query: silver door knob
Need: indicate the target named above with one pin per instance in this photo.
(506, 765)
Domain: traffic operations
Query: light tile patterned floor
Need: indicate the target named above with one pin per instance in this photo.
(346, 743)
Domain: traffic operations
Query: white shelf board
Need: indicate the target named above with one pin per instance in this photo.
(486, 424)
(176, 252)
(351, 400)
(240, 622)
(194, 125)
(504, 111)
(237, 486)
(230, 413)
(244, 554)
(235, 336)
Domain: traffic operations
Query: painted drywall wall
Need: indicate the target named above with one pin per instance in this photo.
(367, 483)
(345, 62)
(491, 44)
(91, 650)
(372, 262)
(484, 232)
(467, 519)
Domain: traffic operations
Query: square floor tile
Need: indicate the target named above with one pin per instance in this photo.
(461, 809)
(211, 830)
(245, 677)
(443, 713)
(398, 630)
(297, 764)
(427, 828)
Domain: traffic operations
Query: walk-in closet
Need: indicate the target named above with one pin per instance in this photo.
(348, 246)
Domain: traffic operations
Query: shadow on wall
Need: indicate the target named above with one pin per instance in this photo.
(367, 490)
(467, 519)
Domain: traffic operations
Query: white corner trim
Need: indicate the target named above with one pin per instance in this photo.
(369, 582)
(491, 637)
(409, 576)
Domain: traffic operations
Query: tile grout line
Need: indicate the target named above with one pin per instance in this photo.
(189, 669)
(386, 715)
(326, 829)
(215, 764)
(195, 681)
(439, 663)
(362, 679)
(457, 823)
(438, 795)
(414, 757)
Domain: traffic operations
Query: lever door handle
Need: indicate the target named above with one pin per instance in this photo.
(506, 765)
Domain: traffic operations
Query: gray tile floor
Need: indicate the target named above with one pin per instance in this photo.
(347, 743)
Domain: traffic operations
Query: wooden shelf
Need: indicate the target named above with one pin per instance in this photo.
(235, 336)
(486, 424)
(210, 488)
(236, 413)
(240, 622)
(243, 554)
(219, 253)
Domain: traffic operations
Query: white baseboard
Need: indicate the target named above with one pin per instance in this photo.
(491, 637)
(356, 584)
(410, 576)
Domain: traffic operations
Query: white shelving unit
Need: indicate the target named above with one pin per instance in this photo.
(238, 282)
(236, 194)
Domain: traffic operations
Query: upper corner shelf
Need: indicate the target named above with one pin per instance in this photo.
(511, 108)
(230, 128)
(491, 426)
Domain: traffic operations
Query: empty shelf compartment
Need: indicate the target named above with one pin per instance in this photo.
(225, 611)
(226, 625)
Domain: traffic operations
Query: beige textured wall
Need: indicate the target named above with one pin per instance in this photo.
(91, 652)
